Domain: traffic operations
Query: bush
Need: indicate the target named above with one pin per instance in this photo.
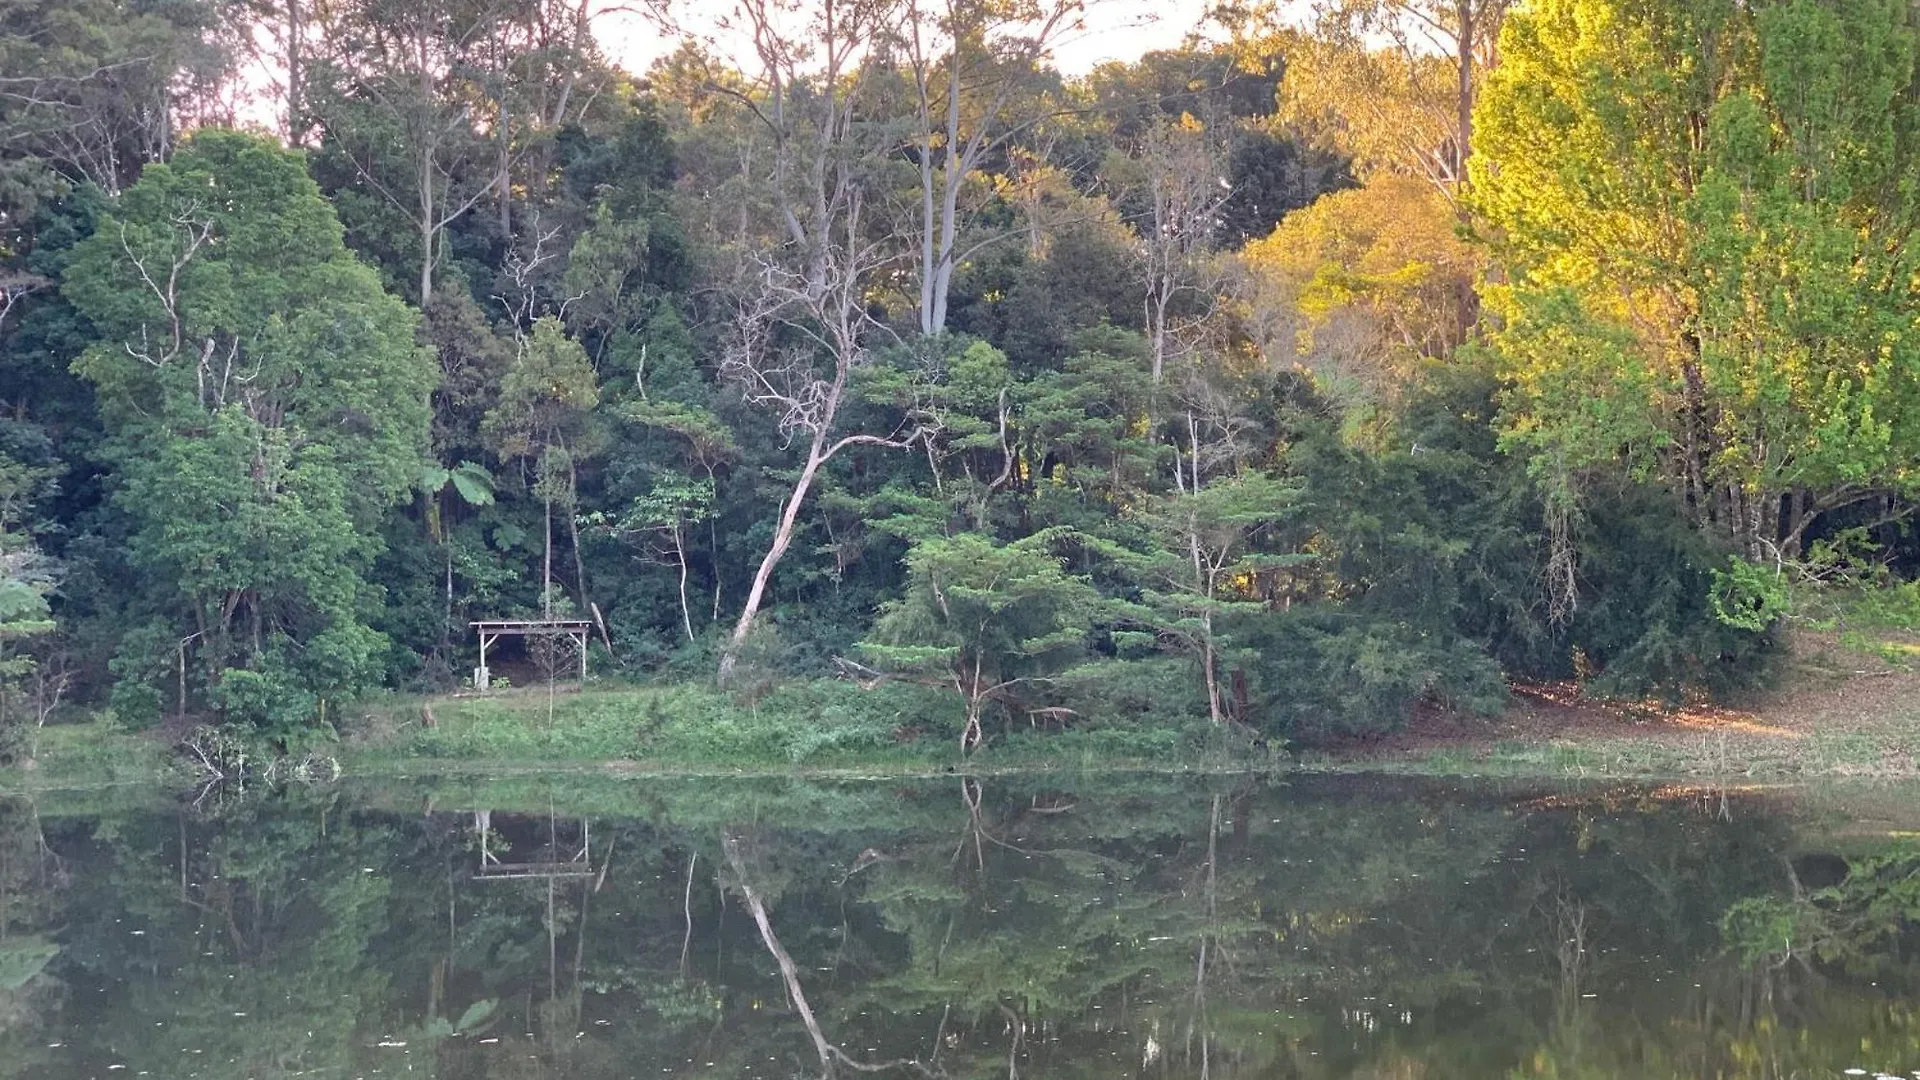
(266, 701)
(1322, 672)
(1158, 690)
(1650, 618)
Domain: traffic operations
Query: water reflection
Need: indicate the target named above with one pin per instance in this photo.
(1129, 926)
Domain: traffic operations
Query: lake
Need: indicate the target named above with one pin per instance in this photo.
(1098, 926)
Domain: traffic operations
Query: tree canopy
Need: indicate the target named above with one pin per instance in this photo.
(1285, 379)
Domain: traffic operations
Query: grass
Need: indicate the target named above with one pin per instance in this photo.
(821, 728)
(802, 727)
(93, 754)
(1885, 752)
(1841, 720)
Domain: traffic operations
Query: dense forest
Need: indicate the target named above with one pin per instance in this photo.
(1331, 362)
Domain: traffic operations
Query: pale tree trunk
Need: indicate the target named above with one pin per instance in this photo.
(428, 207)
(296, 74)
(818, 190)
(1203, 582)
(1463, 105)
(573, 534)
(967, 26)
(503, 166)
(680, 553)
(970, 735)
(789, 972)
(934, 321)
(546, 565)
(426, 246)
(782, 537)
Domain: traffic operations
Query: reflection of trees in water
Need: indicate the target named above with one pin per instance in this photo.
(32, 881)
(1160, 927)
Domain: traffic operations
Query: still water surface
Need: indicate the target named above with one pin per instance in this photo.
(1115, 926)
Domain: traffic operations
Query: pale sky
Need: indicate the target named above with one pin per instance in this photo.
(1115, 30)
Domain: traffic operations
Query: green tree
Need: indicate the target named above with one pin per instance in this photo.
(1705, 213)
(1206, 563)
(264, 403)
(542, 420)
(985, 617)
(25, 581)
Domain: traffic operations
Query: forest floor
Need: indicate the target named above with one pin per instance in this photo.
(1846, 705)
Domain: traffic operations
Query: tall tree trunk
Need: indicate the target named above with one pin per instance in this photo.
(546, 566)
(1463, 104)
(426, 255)
(928, 222)
(503, 174)
(446, 627)
(429, 224)
(1202, 582)
(680, 552)
(573, 534)
(296, 75)
(782, 537)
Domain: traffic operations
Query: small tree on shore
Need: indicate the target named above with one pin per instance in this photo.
(985, 617)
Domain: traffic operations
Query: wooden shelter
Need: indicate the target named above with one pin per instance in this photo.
(554, 859)
(492, 630)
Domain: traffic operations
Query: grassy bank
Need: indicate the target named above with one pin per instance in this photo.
(1849, 706)
(808, 727)
(802, 728)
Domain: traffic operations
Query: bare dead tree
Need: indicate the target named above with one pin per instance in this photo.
(801, 324)
(1185, 187)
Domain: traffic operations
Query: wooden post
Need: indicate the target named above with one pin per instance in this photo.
(583, 657)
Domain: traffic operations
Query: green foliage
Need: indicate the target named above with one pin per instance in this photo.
(1857, 926)
(264, 407)
(1323, 673)
(1309, 489)
(1658, 179)
(1748, 597)
(984, 617)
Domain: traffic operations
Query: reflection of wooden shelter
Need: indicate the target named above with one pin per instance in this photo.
(492, 630)
(558, 861)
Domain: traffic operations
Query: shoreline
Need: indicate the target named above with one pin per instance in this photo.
(1842, 714)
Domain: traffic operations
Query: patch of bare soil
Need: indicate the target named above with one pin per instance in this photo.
(1837, 710)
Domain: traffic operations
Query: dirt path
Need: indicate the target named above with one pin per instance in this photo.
(1836, 711)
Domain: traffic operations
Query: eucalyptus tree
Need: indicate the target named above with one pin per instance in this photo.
(1396, 81)
(91, 91)
(979, 87)
(430, 109)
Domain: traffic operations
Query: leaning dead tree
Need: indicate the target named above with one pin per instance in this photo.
(801, 324)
